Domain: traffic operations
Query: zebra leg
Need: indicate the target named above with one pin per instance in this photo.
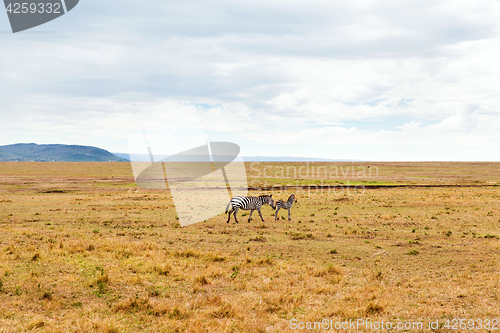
(289, 218)
(260, 215)
(236, 211)
(251, 211)
(276, 218)
(229, 214)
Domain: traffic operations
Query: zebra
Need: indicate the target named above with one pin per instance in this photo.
(285, 205)
(248, 203)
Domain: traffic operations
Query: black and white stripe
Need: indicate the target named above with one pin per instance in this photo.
(285, 205)
(248, 203)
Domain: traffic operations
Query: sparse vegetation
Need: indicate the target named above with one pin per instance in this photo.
(258, 238)
(491, 236)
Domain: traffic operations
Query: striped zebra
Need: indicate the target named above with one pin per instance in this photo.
(248, 203)
(285, 205)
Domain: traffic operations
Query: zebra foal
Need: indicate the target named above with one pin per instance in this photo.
(285, 205)
(248, 203)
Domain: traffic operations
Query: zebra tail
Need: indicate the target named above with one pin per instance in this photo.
(227, 207)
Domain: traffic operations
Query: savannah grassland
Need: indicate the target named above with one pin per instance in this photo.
(82, 249)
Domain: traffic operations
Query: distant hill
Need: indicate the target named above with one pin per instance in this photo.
(31, 152)
(289, 159)
(193, 158)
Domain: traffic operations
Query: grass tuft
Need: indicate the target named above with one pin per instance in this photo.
(47, 296)
(201, 280)
(258, 238)
(162, 269)
(187, 254)
(299, 236)
(224, 311)
(36, 325)
(374, 308)
(133, 304)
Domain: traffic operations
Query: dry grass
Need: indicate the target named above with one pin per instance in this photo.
(85, 251)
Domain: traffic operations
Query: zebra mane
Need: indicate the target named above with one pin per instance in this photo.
(265, 195)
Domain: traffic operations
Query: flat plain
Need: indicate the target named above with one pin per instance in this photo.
(83, 249)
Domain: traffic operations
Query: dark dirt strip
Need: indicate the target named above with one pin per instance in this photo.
(361, 186)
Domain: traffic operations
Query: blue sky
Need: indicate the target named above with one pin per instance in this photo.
(364, 80)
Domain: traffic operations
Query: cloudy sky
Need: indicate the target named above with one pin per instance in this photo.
(364, 80)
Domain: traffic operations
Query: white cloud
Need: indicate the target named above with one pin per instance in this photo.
(337, 74)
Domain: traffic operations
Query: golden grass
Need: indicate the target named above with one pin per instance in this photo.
(78, 257)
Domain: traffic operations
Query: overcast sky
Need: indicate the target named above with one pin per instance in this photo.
(364, 80)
